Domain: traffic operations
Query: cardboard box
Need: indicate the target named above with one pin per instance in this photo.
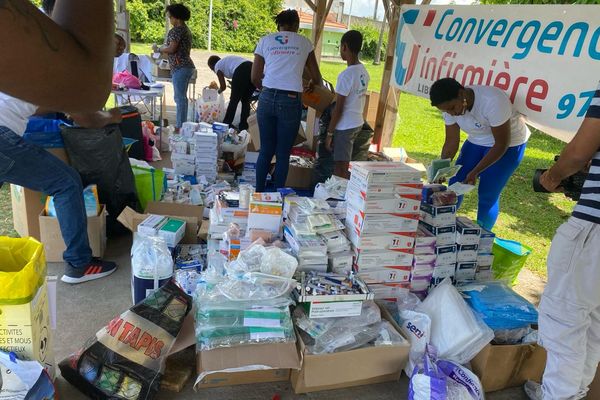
(383, 258)
(384, 275)
(467, 231)
(466, 253)
(265, 216)
(299, 177)
(505, 366)
(370, 110)
(362, 223)
(358, 367)
(131, 219)
(28, 204)
(254, 145)
(53, 242)
(444, 235)
(25, 329)
(365, 173)
(319, 98)
(465, 271)
(401, 204)
(377, 192)
(382, 241)
(439, 215)
(221, 379)
(273, 356)
(331, 309)
(445, 255)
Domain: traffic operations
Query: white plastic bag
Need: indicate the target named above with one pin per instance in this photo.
(211, 110)
(416, 327)
(457, 333)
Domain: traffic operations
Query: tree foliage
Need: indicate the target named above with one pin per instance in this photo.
(237, 24)
(370, 41)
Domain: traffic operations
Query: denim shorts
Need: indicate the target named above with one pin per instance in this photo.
(343, 143)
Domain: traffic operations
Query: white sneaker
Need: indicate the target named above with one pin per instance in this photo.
(533, 390)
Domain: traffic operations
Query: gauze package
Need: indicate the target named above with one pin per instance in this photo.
(455, 330)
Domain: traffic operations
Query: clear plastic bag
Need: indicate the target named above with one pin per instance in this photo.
(279, 263)
(388, 336)
(510, 336)
(338, 338)
(256, 286)
(151, 265)
(456, 331)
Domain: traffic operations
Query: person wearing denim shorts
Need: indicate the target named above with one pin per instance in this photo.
(279, 62)
(347, 116)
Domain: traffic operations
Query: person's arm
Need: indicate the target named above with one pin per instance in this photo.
(42, 57)
(98, 119)
(313, 70)
(336, 115)
(222, 83)
(170, 48)
(258, 71)
(501, 141)
(452, 142)
(575, 155)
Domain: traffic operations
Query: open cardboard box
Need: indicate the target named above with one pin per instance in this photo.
(131, 219)
(27, 204)
(244, 364)
(54, 245)
(254, 132)
(358, 367)
(505, 366)
(319, 98)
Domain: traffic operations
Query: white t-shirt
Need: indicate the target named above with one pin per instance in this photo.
(285, 55)
(228, 65)
(15, 113)
(491, 108)
(352, 83)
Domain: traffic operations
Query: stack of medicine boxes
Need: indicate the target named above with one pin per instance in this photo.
(382, 217)
(467, 248)
(485, 258)
(206, 147)
(440, 221)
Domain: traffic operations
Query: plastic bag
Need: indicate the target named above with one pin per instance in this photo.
(509, 258)
(499, 306)
(150, 184)
(99, 157)
(126, 359)
(256, 286)
(151, 266)
(90, 198)
(227, 324)
(211, 110)
(338, 338)
(456, 331)
(267, 260)
(22, 271)
(126, 79)
(24, 379)
(416, 327)
(435, 379)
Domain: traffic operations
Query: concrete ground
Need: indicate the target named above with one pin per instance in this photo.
(84, 309)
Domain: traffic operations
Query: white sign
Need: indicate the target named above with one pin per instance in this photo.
(546, 58)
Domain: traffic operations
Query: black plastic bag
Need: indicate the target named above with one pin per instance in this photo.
(126, 359)
(100, 158)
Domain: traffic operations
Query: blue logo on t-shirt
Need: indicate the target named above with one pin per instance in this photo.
(283, 39)
(362, 80)
(478, 125)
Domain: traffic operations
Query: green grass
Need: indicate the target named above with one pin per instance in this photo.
(331, 69)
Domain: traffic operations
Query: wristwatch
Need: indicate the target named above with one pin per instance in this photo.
(329, 134)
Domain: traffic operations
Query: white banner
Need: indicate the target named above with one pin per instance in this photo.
(546, 58)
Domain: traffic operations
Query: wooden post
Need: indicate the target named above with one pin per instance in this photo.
(123, 23)
(319, 18)
(387, 110)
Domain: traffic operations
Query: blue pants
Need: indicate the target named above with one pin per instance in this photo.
(31, 166)
(278, 115)
(491, 181)
(181, 80)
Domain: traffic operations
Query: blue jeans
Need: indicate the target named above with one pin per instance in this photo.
(491, 181)
(181, 80)
(278, 115)
(31, 166)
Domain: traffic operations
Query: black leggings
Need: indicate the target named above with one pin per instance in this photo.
(241, 90)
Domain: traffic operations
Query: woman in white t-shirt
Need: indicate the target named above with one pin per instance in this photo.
(496, 139)
(279, 62)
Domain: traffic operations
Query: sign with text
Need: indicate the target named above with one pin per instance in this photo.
(546, 58)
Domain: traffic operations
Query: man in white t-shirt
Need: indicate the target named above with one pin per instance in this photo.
(239, 70)
(496, 139)
(347, 116)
